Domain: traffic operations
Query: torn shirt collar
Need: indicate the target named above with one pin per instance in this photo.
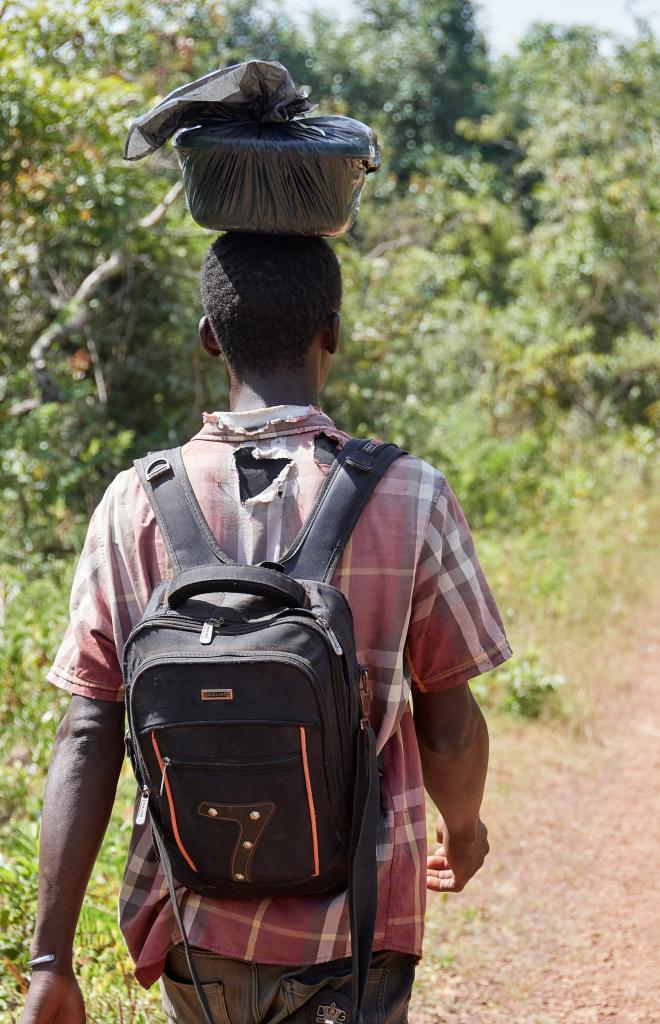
(253, 418)
(271, 421)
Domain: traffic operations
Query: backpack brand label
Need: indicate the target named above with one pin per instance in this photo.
(217, 694)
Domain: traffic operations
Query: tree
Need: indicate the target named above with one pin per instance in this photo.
(411, 68)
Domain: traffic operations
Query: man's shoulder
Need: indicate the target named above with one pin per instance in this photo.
(420, 478)
(122, 492)
(409, 476)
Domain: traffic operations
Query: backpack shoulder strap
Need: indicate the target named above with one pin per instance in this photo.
(186, 534)
(350, 483)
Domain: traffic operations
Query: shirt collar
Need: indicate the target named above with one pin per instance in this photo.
(271, 421)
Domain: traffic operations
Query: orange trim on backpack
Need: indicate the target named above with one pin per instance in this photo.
(310, 800)
(175, 827)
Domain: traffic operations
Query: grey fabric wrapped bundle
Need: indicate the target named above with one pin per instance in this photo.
(250, 162)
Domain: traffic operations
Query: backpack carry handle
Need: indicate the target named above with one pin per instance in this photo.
(242, 579)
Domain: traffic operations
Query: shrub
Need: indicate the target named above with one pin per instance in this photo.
(521, 687)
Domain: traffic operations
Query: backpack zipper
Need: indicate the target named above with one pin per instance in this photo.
(141, 815)
(207, 629)
(165, 762)
(331, 635)
(248, 768)
(190, 624)
(164, 784)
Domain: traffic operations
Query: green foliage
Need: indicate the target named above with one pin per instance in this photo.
(33, 616)
(18, 889)
(103, 966)
(412, 68)
(500, 320)
(522, 687)
(44, 492)
(34, 612)
(581, 329)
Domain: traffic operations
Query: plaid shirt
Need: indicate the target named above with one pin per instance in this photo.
(424, 620)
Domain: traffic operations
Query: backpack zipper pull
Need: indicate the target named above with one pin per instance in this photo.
(208, 630)
(365, 693)
(331, 635)
(166, 764)
(141, 815)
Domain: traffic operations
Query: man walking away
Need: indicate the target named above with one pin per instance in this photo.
(425, 623)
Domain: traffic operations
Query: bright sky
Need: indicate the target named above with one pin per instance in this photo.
(505, 21)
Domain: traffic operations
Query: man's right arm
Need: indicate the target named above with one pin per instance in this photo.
(453, 746)
(455, 633)
(80, 791)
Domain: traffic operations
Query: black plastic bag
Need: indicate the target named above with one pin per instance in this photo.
(250, 162)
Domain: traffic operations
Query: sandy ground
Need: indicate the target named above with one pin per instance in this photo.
(563, 923)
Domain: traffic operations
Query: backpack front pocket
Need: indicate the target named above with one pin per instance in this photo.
(240, 820)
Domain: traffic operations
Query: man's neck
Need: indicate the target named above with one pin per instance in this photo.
(278, 389)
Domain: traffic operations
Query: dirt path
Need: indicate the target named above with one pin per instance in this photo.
(564, 926)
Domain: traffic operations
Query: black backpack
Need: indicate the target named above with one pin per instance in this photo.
(247, 710)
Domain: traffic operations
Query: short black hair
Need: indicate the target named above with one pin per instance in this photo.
(267, 296)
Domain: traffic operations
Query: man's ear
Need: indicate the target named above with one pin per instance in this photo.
(331, 334)
(208, 338)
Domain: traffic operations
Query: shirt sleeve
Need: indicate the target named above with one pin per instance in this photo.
(455, 630)
(86, 662)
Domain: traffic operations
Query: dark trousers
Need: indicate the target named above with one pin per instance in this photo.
(246, 993)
